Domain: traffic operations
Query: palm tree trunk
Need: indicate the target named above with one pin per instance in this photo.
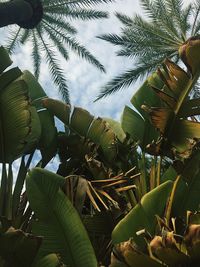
(14, 12)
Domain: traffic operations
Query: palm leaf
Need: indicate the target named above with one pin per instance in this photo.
(55, 69)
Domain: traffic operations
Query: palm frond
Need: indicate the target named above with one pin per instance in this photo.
(56, 41)
(13, 40)
(75, 3)
(149, 8)
(84, 14)
(54, 68)
(175, 9)
(143, 67)
(36, 55)
(25, 35)
(126, 20)
(186, 18)
(113, 39)
(124, 80)
(196, 11)
(76, 13)
(59, 23)
(77, 48)
(151, 30)
(197, 28)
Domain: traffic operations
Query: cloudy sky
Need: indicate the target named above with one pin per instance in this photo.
(85, 80)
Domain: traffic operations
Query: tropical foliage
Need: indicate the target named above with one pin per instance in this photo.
(149, 41)
(115, 197)
(56, 27)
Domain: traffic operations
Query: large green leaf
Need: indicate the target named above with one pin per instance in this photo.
(57, 220)
(138, 124)
(187, 192)
(35, 90)
(83, 123)
(134, 125)
(143, 215)
(117, 128)
(19, 122)
(7, 77)
(48, 139)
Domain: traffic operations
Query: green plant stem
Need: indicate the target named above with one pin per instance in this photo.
(131, 198)
(9, 193)
(20, 182)
(153, 173)
(158, 171)
(171, 199)
(143, 175)
(3, 189)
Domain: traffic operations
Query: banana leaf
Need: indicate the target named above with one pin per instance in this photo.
(142, 216)
(19, 122)
(57, 220)
(83, 123)
(136, 122)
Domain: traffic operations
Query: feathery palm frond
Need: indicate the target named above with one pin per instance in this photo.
(56, 25)
(55, 69)
(149, 40)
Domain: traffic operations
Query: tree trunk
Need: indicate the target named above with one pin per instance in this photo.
(14, 12)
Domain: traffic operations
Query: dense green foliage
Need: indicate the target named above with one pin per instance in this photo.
(124, 194)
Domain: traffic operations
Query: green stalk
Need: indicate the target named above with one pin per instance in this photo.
(171, 199)
(158, 171)
(131, 198)
(20, 182)
(9, 193)
(153, 173)
(3, 190)
(143, 175)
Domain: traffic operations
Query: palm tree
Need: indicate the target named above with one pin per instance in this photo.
(149, 41)
(38, 21)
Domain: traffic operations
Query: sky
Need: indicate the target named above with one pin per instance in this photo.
(84, 80)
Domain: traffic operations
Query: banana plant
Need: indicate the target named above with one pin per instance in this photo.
(168, 104)
(170, 247)
(22, 131)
